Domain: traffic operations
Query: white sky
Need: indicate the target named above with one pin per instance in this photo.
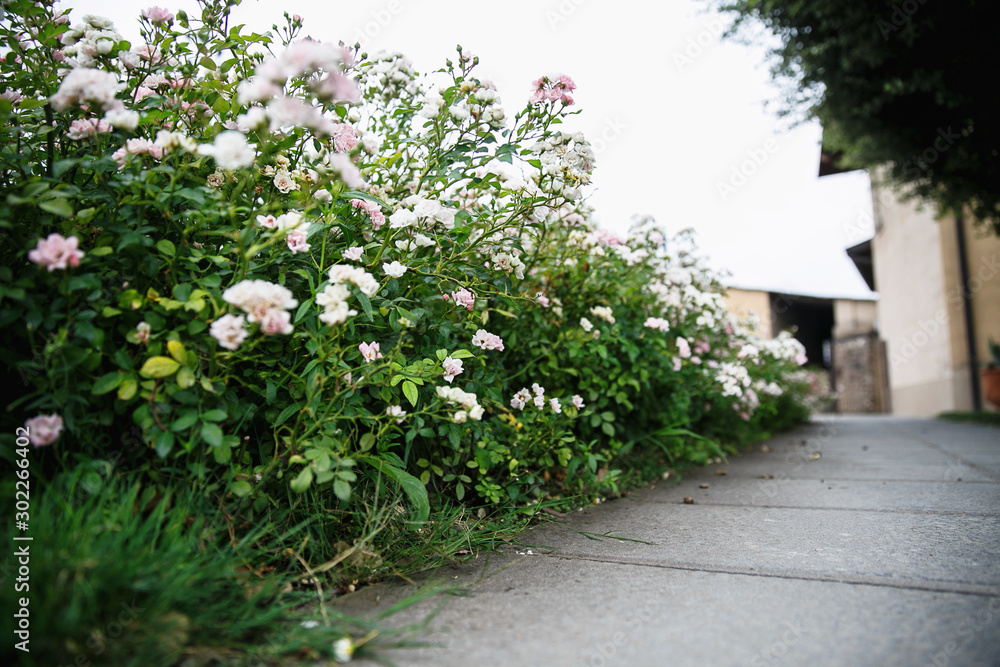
(671, 108)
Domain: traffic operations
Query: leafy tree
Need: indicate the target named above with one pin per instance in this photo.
(899, 84)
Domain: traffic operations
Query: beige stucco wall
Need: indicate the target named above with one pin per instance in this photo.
(984, 285)
(983, 259)
(852, 317)
(914, 315)
(743, 303)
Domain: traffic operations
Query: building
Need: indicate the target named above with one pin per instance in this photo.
(938, 281)
(839, 335)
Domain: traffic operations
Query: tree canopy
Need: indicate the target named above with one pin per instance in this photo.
(909, 85)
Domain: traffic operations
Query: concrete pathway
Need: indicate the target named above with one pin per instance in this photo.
(851, 541)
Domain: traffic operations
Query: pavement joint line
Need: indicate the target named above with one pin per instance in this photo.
(709, 503)
(830, 480)
(884, 582)
(938, 448)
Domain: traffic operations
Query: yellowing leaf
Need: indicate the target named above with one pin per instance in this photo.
(177, 350)
(159, 367)
(127, 388)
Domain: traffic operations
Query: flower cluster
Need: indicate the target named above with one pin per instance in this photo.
(487, 341)
(86, 41)
(657, 323)
(333, 298)
(469, 403)
(552, 88)
(603, 312)
(463, 298)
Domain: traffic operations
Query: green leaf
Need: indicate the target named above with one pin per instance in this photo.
(166, 247)
(188, 419)
(159, 367)
(222, 454)
(303, 480)
(212, 434)
(59, 206)
(410, 391)
(461, 354)
(214, 415)
(342, 489)
(107, 383)
(367, 441)
(164, 443)
(270, 392)
(241, 489)
(285, 414)
(185, 377)
(415, 491)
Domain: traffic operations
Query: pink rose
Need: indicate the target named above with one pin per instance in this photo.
(157, 15)
(44, 429)
(370, 352)
(56, 252)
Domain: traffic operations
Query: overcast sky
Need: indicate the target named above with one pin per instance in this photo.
(677, 116)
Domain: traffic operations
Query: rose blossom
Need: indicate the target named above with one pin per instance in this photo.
(369, 351)
(296, 240)
(142, 332)
(375, 215)
(520, 399)
(452, 367)
(276, 321)
(157, 15)
(578, 401)
(87, 127)
(231, 151)
(464, 298)
(487, 341)
(393, 269)
(44, 429)
(56, 252)
(229, 331)
(353, 253)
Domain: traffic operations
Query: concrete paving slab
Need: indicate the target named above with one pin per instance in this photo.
(544, 610)
(940, 551)
(872, 553)
(938, 497)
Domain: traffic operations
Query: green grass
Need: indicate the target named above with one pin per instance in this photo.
(983, 417)
(130, 575)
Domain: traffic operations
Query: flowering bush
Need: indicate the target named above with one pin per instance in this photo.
(291, 264)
